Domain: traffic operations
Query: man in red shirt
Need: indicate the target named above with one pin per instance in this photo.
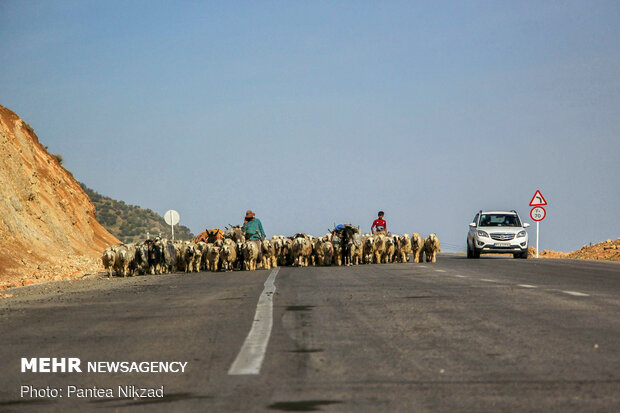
(379, 224)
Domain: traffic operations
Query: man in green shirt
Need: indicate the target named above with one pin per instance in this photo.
(252, 227)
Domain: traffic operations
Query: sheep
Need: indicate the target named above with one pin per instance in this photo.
(431, 247)
(417, 247)
(277, 242)
(239, 249)
(358, 252)
(317, 252)
(154, 256)
(378, 248)
(269, 255)
(140, 264)
(187, 254)
(326, 253)
(227, 241)
(301, 250)
(389, 249)
(213, 257)
(337, 257)
(204, 265)
(170, 256)
(274, 258)
(228, 256)
(282, 248)
(351, 244)
(201, 251)
(287, 249)
(367, 248)
(251, 255)
(108, 259)
(404, 247)
(347, 254)
(124, 257)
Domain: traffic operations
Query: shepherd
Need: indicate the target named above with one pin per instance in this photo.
(252, 227)
(379, 224)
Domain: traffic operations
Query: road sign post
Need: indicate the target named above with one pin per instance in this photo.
(538, 213)
(172, 218)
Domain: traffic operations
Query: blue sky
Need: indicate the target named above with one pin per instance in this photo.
(315, 113)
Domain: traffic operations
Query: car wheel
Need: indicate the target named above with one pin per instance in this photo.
(469, 253)
(524, 255)
(476, 253)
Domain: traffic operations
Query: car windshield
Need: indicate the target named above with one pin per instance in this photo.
(499, 220)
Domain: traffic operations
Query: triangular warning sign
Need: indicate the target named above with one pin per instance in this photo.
(538, 199)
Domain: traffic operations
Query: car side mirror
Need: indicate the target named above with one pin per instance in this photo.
(472, 224)
(526, 225)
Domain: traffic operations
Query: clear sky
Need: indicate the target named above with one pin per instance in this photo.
(314, 113)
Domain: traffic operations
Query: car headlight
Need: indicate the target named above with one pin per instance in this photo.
(482, 234)
(521, 234)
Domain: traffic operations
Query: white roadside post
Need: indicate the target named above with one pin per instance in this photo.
(172, 218)
(537, 236)
(538, 213)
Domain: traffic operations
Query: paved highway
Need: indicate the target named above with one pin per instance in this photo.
(488, 335)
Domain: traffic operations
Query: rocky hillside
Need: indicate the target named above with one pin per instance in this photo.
(130, 223)
(48, 228)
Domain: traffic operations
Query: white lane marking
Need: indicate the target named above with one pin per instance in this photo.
(440, 270)
(252, 353)
(527, 286)
(487, 280)
(422, 266)
(576, 293)
(459, 275)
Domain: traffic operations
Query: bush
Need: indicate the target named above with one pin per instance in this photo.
(29, 129)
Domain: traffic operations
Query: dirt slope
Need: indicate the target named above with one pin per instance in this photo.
(607, 250)
(47, 223)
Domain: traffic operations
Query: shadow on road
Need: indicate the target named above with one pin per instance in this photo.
(302, 405)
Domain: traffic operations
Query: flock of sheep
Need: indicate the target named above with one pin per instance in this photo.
(233, 252)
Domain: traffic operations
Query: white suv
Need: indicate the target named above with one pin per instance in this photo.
(497, 232)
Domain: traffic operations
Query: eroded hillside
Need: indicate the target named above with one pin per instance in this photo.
(48, 228)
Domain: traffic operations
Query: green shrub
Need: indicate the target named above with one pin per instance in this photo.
(29, 129)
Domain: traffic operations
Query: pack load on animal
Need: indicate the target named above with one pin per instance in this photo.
(209, 235)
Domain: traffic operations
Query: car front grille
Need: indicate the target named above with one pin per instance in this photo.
(502, 237)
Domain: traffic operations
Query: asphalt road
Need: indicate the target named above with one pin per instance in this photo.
(487, 335)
